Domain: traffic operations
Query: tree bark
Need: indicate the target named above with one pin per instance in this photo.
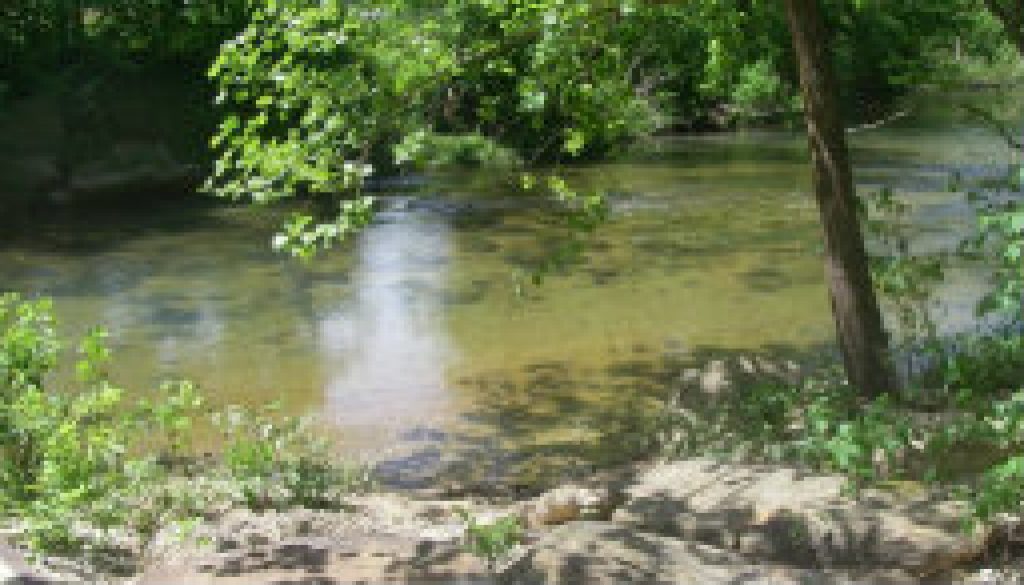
(860, 333)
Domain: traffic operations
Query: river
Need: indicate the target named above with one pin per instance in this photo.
(410, 343)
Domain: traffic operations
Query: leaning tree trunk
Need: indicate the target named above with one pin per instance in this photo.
(858, 321)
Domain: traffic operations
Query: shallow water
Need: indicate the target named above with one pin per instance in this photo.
(411, 344)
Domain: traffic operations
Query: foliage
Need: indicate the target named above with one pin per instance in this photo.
(492, 540)
(320, 95)
(904, 280)
(986, 364)
(822, 424)
(74, 461)
(427, 150)
(863, 443)
(1002, 489)
(42, 36)
(758, 90)
(550, 78)
(301, 235)
(64, 455)
(880, 49)
(314, 89)
(913, 435)
(1004, 228)
(1009, 15)
(275, 464)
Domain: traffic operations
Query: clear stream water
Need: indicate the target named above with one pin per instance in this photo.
(410, 344)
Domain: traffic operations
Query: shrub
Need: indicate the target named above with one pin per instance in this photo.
(85, 461)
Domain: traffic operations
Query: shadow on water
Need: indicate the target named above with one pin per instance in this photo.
(552, 422)
(84, 231)
(724, 149)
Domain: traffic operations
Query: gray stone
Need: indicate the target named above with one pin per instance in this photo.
(565, 504)
(605, 553)
(690, 376)
(715, 378)
(16, 570)
(780, 514)
(372, 559)
(747, 366)
(379, 538)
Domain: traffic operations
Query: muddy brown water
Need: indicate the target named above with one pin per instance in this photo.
(410, 343)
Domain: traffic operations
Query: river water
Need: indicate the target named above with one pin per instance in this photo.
(410, 342)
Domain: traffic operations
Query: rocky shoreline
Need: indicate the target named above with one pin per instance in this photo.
(691, 521)
(682, 521)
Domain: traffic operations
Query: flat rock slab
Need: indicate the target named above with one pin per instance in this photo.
(16, 570)
(605, 553)
(314, 562)
(380, 539)
(780, 514)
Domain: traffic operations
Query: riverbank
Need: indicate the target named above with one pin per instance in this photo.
(630, 341)
(669, 519)
(732, 495)
(105, 137)
(690, 521)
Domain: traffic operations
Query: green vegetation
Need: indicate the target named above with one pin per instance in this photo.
(319, 96)
(966, 437)
(40, 38)
(80, 464)
(957, 422)
(314, 98)
(492, 540)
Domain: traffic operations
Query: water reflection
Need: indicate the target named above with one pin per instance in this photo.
(386, 351)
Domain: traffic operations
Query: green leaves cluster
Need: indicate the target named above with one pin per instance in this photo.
(492, 540)
(314, 90)
(1003, 230)
(320, 95)
(86, 461)
(551, 79)
(272, 463)
(62, 456)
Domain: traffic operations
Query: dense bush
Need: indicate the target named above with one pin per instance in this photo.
(78, 463)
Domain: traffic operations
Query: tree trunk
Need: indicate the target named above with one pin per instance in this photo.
(861, 336)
